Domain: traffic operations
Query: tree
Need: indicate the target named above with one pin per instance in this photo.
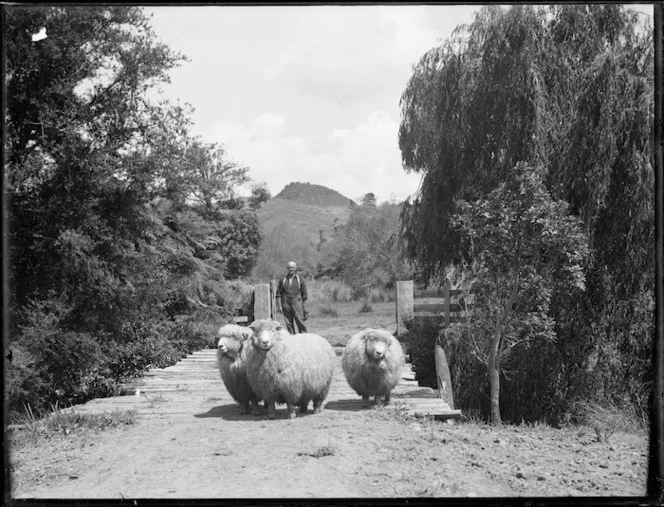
(568, 88)
(366, 252)
(98, 263)
(527, 247)
(210, 178)
(259, 194)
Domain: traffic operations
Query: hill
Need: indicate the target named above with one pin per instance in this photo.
(318, 195)
(291, 225)
(307, 220)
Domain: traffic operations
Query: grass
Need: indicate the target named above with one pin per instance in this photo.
(328, 310)
(366, 307)
(340, 327)
(605, 418)
(326, 450)
(60, 422)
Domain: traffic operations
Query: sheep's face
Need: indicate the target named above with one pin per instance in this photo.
(265, 334)
(228, 346)
(375, 348)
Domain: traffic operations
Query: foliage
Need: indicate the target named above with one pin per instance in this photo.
(259, 194)
(329, 291)
(281, 245)
(569, 89)
(365, 252)
(209, 177)
(527, 248)
(113, 269)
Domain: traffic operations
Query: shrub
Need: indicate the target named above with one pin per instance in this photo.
(329, 291)
(377, 295)
(469, 379)
(328, 310)
(366, 307)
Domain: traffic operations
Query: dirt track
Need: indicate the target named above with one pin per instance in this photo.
(193, 443)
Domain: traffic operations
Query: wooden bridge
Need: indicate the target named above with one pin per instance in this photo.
(197, 374)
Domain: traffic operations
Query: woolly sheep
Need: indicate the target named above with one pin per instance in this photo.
(231, 339)
(372, 363)
(290, 369)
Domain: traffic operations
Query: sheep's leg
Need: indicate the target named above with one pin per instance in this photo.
(244, 407)
(318, 406)
(387, 399)
(254, 407)
(303, 406)
(270, 410)
(291, 410)
(365, 400)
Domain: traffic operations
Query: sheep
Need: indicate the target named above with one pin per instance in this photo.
(290, 369)
(229, 347)
(372, 363)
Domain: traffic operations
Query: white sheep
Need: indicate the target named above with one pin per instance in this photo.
(290, 369)
(372, 363)
(229, 346)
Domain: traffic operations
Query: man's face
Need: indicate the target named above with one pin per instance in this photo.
(291, 269)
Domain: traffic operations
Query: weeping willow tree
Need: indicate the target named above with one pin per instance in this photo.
(569, 89)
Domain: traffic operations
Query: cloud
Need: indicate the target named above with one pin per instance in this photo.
(353, 160)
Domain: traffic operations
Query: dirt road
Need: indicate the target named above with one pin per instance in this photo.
(190, 441)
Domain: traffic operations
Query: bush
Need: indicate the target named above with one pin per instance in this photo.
(378, 295)
(328, 311)
(420, 338)
(366, 307)
(329, 291)
(470, 384)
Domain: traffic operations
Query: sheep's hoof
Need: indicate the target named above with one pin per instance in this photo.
(303, 409)
(292, 415)
(317, 410)
(270, 416)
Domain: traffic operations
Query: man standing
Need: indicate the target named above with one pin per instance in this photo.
(291, 295)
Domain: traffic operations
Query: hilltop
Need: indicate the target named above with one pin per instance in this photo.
(318, 195)
(292, 223)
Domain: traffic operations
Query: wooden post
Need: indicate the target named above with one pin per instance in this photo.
(404, 304)
(446, 289)
(262, 306)
(443, 377)
(273, 297)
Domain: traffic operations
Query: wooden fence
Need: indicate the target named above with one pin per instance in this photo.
(450, 305)
(263, 304)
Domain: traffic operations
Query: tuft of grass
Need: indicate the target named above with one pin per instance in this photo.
(605, 417)
(326, 450)
(366, 307)
(328, 310)
(395, 411)
(472, 416)
(153, 399)
(58, 422)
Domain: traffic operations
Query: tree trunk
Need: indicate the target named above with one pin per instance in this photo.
(443, 375)
(494, 376)
(494, 382)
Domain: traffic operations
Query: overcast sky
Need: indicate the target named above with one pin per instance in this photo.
(305, 93)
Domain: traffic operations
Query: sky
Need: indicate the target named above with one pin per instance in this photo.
(305, 93)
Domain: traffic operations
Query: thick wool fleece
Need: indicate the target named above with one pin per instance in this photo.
(294, 369)
(366, 374)
(233, 374)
